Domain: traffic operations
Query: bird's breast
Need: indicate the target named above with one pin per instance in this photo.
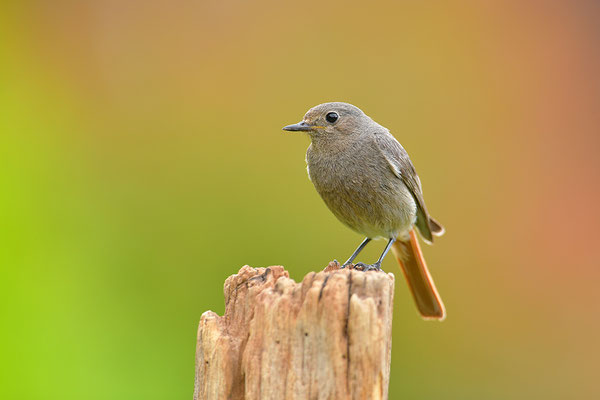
(360, 189)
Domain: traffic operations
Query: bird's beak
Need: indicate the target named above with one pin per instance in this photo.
(300, 126)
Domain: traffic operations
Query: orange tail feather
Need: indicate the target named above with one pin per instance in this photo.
(419, 280)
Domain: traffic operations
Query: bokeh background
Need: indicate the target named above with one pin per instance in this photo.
(142, 162)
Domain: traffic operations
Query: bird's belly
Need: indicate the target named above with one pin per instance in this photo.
(369, 200)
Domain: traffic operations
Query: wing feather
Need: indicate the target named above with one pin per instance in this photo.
(403, 168)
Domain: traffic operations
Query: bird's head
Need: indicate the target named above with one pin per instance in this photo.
(331, 121)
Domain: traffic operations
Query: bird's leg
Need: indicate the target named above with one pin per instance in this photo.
(358, 250)
(377, 265)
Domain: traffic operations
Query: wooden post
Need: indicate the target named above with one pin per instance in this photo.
(328, 337)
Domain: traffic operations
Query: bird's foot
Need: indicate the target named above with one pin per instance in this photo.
(368, 267)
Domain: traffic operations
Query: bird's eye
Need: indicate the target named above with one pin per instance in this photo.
(331, 117)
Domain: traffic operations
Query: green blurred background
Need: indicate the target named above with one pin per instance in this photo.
(142, 162)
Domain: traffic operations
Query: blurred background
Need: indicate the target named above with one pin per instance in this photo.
(142, 162)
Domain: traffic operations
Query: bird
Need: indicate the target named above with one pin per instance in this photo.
(367, 180)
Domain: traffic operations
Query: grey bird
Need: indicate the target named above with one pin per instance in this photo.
(369, 183)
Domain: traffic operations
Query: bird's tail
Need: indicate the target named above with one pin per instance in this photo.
(419, 280)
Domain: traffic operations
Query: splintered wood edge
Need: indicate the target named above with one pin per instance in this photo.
(267, 277)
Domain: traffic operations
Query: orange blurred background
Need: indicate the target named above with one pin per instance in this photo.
(142, 162)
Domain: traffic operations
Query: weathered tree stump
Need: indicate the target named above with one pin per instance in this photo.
(328, 337)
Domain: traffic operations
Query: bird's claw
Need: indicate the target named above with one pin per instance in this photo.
(368, 267)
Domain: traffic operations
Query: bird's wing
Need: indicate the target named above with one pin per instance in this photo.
(402, 167)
